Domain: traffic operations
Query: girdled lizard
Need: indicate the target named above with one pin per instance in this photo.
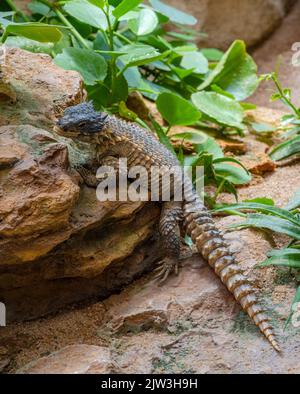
(114, 139)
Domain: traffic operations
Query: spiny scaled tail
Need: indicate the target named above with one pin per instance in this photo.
(211, 244)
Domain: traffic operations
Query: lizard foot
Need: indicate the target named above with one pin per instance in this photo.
(165, 268)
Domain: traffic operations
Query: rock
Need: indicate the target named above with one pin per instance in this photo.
(55, 236)
(283, 45)
(191, 324)
(75, 359)
(247, 20)
(37, 193)
(256, 158)
(37, 87)
(22, 5)
(4, 363)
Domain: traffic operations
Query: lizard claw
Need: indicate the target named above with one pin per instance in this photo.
(165, 269)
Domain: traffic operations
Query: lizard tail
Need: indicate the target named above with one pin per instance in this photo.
(213, 247)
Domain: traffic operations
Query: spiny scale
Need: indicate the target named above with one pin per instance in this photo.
(211, 244)
(141, 147)
(199, 225)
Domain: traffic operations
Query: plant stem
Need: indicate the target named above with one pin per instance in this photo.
(125, 39)
(4, 37)
(283, 97)
(219, 189)
(112, 48)
(72, 28)
(17, 11)
(168, 129)
(65, 21)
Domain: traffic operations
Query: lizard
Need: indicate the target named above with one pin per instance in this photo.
(115, 138)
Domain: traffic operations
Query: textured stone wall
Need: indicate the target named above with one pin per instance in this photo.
(227, 20)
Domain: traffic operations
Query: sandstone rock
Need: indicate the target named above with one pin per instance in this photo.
(189, 325)
(22, 5)
(192, 324)
(76, 359)
(55, 236)
(283, 45)
(38, 88)
(225, 21)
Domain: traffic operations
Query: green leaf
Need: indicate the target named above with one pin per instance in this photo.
(220, 108)
(145, 22)
(100, 95)
(128, 16)
(176, 110)
(219, 90)
(98, 3)
(164, 139)
(236, 72)
(29, 45)
(262, 200)
(87, 13)
(213, 55)
(181, 72)
(89, 64)
(195, 61)
(114, 3)
(196, 137)
(181, 50)
(172, 13)
(120, 93)
(294, 202)
(248, 106)
(125, 112)
(124, 7)
(36, 7)
(296, 301)
(264, 208)
(101, 41)
(263, 128)
(150, 89)
(288, 257)
(180, 36)
(35, 31)
(235, 175)
(210, 145)
(139, 54)
(6, 14)
(230, 160)
(272, 223)
(286, 149)
(133, 77)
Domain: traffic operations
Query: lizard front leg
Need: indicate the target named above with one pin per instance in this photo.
(88, 171)
(171, 240)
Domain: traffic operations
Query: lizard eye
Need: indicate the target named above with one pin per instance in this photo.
(82, 124)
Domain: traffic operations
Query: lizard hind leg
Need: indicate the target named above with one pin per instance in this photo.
(171, 240)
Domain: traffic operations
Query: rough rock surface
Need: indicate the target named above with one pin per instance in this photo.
(76, 359)
(281, 48)
(33, 90)
(191, 324)
(22, 4)
(249, 20)
(55, 236)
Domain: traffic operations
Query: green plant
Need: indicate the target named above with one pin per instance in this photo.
(290, 123)
(263, 214)
(120, 46)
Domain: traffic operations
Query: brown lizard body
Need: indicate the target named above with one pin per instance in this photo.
(116, 139)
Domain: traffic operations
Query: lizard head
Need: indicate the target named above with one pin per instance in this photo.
(81, 122)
